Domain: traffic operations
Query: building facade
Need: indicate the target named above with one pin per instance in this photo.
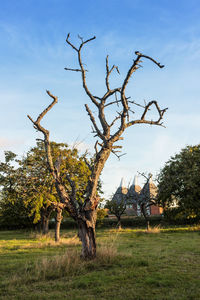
(136, 196)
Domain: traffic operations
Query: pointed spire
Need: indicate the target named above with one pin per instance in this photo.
(122, 183)
(150, 178)
(135, 181)
(134, 189)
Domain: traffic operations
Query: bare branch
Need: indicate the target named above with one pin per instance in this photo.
(150, 58)
(95, 147)
(87, 41)
(108, 72)
(46, 132)
(143, 174)
(132, 69)
(113, 122)
(94, 122)
(118, 156)
(82, 69)
(113, 102)
(68, 42)
(160, 111)
(110, 93)
(75, 70)
(128, 101)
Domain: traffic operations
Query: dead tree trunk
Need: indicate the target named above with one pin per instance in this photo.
(107, 133)
(58, 223)
(87, 236)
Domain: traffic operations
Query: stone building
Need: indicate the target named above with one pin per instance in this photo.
(135, 195)
(133, 206)
(149, 191)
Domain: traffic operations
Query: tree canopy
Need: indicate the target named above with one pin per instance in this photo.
(40, 187)
(13, 212)
(27, 188)
(178, 182)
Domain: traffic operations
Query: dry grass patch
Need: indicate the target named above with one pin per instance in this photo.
(43, 241)
(64, 265)
(155, 229)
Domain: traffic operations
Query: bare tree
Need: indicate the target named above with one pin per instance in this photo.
(147, 197)
(107, 134)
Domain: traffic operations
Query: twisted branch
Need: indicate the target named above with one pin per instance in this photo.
(55, 170)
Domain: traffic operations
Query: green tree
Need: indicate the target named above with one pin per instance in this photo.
(117, 208)
(178, 182)
(13, 212)
(39, 189)
(117, 203)
(28, 189)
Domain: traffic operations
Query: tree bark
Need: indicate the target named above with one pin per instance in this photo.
(58, 222)
(86, 234)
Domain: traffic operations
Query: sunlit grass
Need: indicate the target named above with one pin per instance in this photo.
(130, 264)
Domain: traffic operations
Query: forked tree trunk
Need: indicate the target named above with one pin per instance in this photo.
(58, 222)
(88, 239)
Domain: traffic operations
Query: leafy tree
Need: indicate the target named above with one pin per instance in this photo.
(29, 189)
(40, 193)
(108, 132)
(117, 207)
(101, 213)
(178, 182)
(12, 209)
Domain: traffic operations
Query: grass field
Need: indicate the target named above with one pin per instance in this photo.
(131, 264)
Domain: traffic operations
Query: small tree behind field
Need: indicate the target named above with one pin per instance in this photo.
(108, 134)
(117, 207)
(147, 197)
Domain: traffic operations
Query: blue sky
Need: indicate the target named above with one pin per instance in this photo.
(33, 55)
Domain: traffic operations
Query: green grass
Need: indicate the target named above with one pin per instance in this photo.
(131, 264)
